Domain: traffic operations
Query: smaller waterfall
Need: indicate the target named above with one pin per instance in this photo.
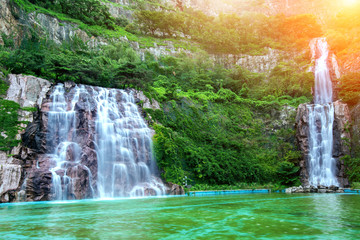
(98, 134)
(322, 165)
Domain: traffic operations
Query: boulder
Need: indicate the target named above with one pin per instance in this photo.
(174, 189)
(146, 102)
(10, 176)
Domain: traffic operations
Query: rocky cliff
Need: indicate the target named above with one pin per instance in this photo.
(25, 171)
(28, 91)
(13, 20)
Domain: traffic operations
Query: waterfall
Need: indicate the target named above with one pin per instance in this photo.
(62, 135)
(124, 146)
(83, 120)
(322, 165)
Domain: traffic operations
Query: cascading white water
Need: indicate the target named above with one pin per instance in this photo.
(322, 165)
(124, 147)
(122, 142)
(61, 135)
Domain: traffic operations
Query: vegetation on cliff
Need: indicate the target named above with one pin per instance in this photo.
(9, 123)
(343, 33)
(229, 33)
(217, 125)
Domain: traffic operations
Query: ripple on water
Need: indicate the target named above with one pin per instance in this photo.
(243, 216)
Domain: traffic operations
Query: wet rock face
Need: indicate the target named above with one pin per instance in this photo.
(25, 175)
(38, 185)
(340, 137)
(302, 137)
(81, 162)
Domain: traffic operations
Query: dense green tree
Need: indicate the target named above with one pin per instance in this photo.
(91, 12)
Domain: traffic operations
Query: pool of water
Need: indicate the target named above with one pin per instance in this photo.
(242, 216)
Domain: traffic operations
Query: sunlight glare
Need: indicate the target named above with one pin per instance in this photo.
(350, 2)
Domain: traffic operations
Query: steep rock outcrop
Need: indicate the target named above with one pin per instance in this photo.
(8, 22)
(254, 63)
(56, 30)
(60, 31)
(28, 91)
(120, 9)
(13, 19)
(146, 102)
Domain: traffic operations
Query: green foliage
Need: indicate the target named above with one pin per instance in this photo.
(355, 185)
(298, 29)
(286, 79)
(3, 87)
(218, 144)
(352, 168)
(115, 65)
(288, 174)
(230, 33)
(342, 33)
(121, 21)
(350, 88)
(165, 22)
(8, 40)
(216, 126)
(91, 12)
(9, 124)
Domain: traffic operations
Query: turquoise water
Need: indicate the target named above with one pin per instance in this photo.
(242, 216)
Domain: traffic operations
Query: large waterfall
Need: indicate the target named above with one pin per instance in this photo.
(322, 165)
(99, 145)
